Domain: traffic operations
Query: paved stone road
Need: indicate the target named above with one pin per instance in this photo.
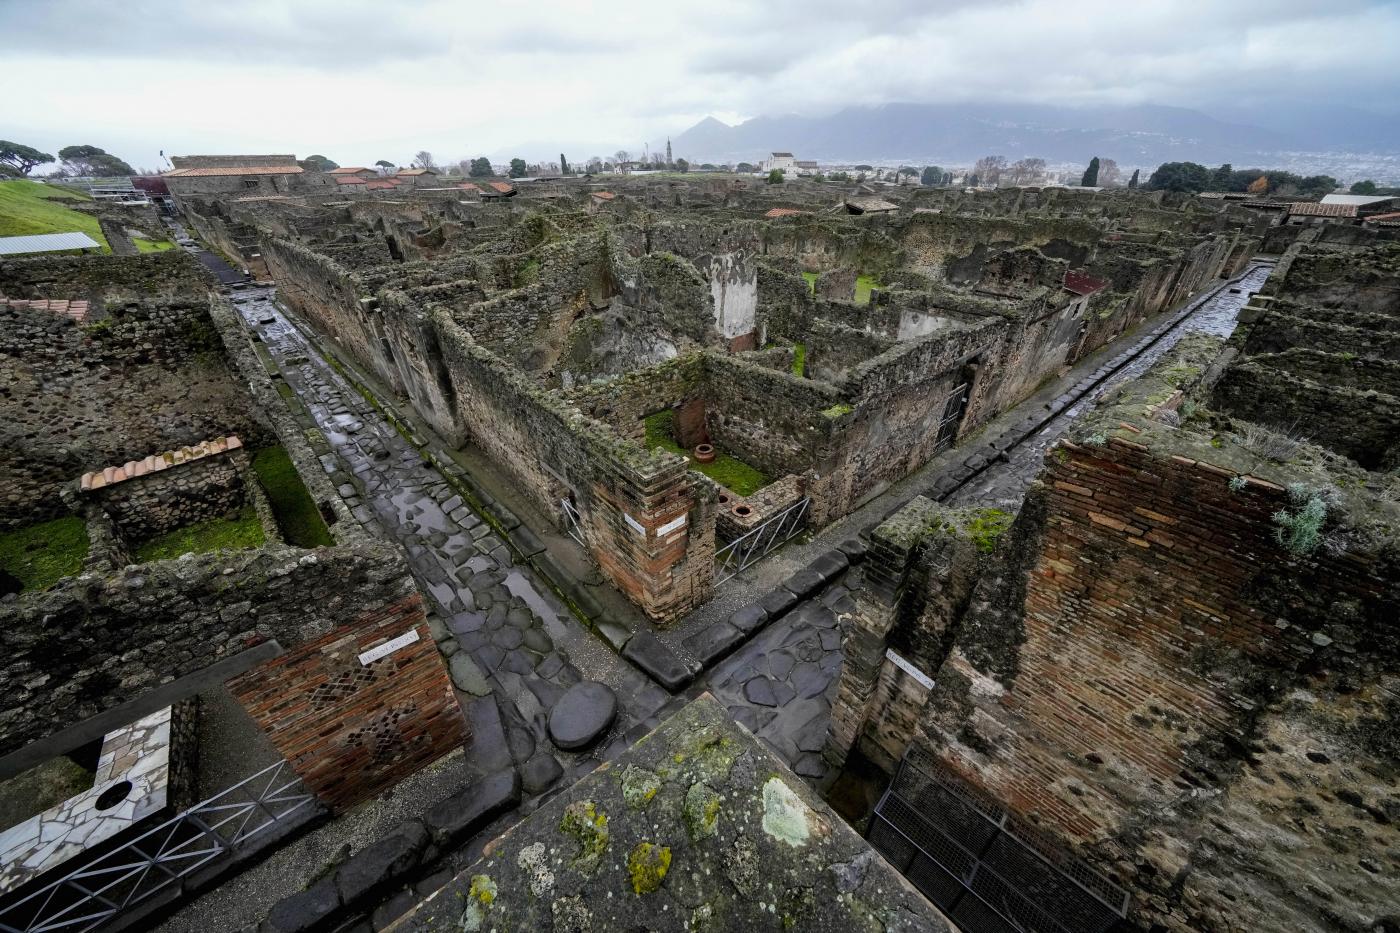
(501, 628)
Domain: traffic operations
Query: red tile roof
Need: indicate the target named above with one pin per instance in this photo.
(381, 184)
(352, 180)
(468, 186)
(107, 476)
(77, 310)
(1309, 209)
(1392, 216)
(605, 195)
(1081, 283)
(784, 212)
(417, 171)
(348, 170)
(502, 187)
(234, 170)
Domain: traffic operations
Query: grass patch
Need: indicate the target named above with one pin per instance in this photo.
(41, 555)
(28, 208)
(215, 534)
(151, 246)
(811, 278)
(799, 359)
(297, 516)
(730, 472)
(864, 285)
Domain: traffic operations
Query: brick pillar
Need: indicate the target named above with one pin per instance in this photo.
(893, 549)
(353, 721)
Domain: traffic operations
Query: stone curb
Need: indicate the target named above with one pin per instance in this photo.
(413, 845)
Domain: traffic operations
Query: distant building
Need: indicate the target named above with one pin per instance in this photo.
(357, 171)
(807, 168)
(782, 161)
(240, 174)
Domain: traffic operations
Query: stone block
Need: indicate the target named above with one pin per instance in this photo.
(370, 870)
(778, 602)
(613, 632)
(304, 911)
(658, 662)
(749, 619)
(470, 810)
(804, 583)
(526, 541)
(831, 564)
(855, 549)
(714, 642)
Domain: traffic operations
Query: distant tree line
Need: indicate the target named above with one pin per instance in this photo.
(18, 160)
(1194, 178)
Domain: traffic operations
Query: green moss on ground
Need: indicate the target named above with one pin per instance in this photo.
(811, 278)
(986, 526)
(730, 472)
(297, 516)
(864, 285)
(216, 534)
(28, 208)
(799, 359)
(41, 555)
(151, 246)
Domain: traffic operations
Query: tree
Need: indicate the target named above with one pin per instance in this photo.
(1361, 187)
(1179, 176)
(621, 156)
(595, 165)
(931, 175)
(481, 168)
(864, 168)
(384, 166)
(745, 168)
(1223, 178)
(989, 168)
(20, 158)
(775, 177)
(1090, 178)
(1133, 182)
(424, 159)
(1260, 185)
(90, 160)
(317, 163)
(564, 165)
(1109, 173)
(518, 168)
(682, 165)
(1026, 171)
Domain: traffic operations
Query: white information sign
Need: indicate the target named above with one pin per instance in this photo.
(389, 647)
(904, 665)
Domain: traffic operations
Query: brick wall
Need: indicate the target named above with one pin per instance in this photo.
(349, 729)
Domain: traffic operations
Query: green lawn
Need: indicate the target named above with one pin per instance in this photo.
(730, 472)
(811, 278)
(151, 246)
(216, 534)
(799, 359)
(28, 208)
(41, 555)
(864, 283)
(297, 516)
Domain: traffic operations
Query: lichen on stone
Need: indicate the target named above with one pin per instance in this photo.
(701, 811)
(639, 786)
(785, 816)
(589, 827)
(533, 862)
(647, 865)
(480, 897)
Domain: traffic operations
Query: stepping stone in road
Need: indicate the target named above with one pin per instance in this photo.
(760, 691)
(582, 714)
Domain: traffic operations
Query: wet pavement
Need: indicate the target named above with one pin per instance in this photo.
(500, 628)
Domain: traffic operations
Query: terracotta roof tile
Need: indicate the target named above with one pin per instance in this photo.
(348, 170)
(108, 476)
(234, 170)
(784, 212)
(382, 183)
(468, 186)
(604, 195)
(77, 310)
(1081, 283)
(352, 180)
(1309, 209)
(1385, 218)
(502, 187)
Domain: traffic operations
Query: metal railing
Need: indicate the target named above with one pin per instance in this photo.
(759, 541)
(979, 864)
(117, 880)
(571, 521)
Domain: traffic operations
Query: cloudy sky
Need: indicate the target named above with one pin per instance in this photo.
(360, 81)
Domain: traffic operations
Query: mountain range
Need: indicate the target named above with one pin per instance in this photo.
(1141, 135)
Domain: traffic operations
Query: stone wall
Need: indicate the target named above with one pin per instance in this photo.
(147, 506)
(147, 377)
(104, 280)
(95, 641)
(351, 728)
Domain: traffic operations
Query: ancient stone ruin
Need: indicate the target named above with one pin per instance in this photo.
(696, 553)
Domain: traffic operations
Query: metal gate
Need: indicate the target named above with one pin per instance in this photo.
(954, 405)
(759, 541)
(116, 881)
(988, 871)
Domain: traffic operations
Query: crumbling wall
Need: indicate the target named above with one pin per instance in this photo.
(81, 396)
(105, 280)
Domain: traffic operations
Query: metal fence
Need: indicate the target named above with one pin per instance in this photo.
(985, 869)
(571, 521)
(760, 540)
(117, 880)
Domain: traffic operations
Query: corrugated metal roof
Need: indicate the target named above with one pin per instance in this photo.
(1359, 200)
(46, 243)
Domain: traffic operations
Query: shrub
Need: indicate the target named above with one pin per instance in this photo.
(1300, 531)
(1278, 445)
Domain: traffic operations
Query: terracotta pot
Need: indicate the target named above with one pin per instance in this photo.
(705, 453)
